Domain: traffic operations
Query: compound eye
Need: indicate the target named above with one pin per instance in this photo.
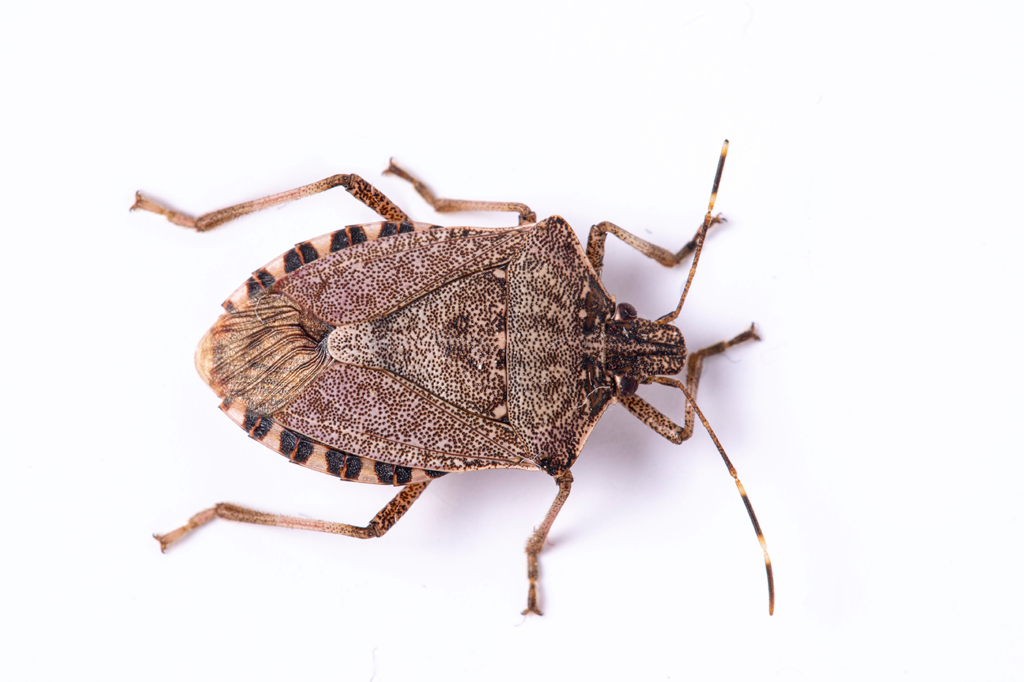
(625, 311)
(627, 386)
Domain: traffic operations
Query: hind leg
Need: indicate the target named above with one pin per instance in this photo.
(379, 524)
(665, 427)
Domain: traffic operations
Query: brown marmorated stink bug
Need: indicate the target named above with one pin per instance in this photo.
(397, 352)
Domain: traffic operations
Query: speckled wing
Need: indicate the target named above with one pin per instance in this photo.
(419, 377)
(378, 415)
(375, 278)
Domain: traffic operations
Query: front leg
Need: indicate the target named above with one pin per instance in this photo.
(677, 434)
(654, 419)
(599, 232)
(526, 215)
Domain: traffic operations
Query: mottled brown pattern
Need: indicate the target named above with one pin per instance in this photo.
(318, 458)
(380, 416)
(376, 278)
(372, 197)
(450, 342)
(466, 326)
(279, 267)
(548, 287)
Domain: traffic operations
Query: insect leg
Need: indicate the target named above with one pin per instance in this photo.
(745, 498)
(695, 367)
(380, 524)
(664, 426)
(456, 205)
(356, 186)
(599, 232)
(536, 542)
(595, 243)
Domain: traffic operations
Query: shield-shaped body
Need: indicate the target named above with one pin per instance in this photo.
(396, 352)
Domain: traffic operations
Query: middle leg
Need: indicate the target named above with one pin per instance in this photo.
(536, 543)
(455, 205)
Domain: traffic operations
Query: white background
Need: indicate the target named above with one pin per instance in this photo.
(875, 237)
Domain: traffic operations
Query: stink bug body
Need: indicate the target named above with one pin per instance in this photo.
(396, 352)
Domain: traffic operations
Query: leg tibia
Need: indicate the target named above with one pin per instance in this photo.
(456, 205)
